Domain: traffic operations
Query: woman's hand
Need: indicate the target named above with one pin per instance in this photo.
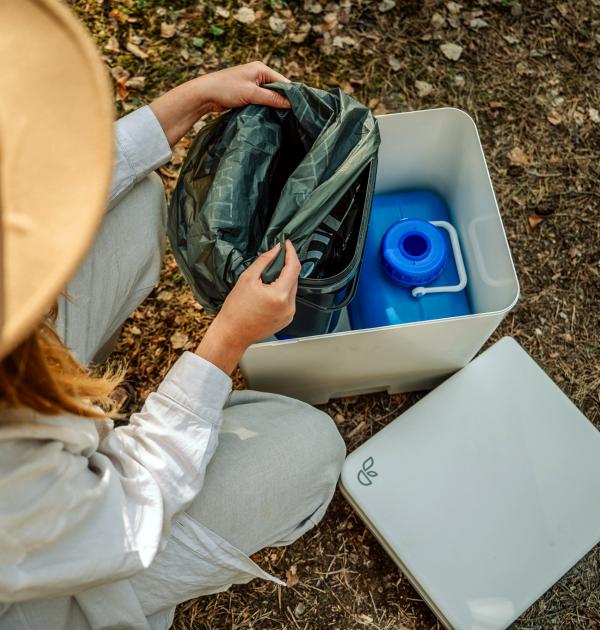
(252, 311)
(240, 85)
(181, 107)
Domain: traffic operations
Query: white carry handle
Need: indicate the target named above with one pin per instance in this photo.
(458, 259)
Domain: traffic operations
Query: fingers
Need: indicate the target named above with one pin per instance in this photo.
(262, 96)
(288, 278)
(262, 262)
(270, 76)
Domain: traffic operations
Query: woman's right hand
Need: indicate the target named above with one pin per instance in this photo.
(252, 311)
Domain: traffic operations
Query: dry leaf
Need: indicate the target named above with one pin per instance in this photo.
(222, 12)
(386, 5)
(554, 117)
(167, 30)
(136, 83)
(134, 330)
(594, 115)
(394, 63)
(438, 21)
(423, 88)
(164, 296)
(291, 576)
(534, 220)
(245, 15)
(314, 7)
(341, 42)
(451, 51)
(453, 7)
(477, 23)
(136, 50)
(458, 80)
(119, 74)
(112, 45)
(277, 24)
(518, 157)
(511, 39)
(178, 340)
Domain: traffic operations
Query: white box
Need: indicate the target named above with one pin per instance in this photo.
(436, 150)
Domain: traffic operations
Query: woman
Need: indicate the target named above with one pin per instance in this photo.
(103, 527)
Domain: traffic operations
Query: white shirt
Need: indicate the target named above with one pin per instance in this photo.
(85, 508)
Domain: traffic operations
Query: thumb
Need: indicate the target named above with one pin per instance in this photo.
(262, 96)
(263, 261)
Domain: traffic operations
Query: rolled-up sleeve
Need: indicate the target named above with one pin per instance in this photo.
(77, 514)
(141, 147)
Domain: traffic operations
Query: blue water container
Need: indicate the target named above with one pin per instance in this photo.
(412, 267)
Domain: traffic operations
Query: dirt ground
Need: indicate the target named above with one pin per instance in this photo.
(529, 75)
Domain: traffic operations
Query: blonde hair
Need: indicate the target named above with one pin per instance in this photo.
(42, 374)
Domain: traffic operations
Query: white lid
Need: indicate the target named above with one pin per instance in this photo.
(486, 491)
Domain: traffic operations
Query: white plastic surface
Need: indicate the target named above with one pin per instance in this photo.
(437, 150)
(486, 491)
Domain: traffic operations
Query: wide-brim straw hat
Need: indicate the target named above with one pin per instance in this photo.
(55, 157)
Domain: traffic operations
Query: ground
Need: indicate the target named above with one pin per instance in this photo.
(529, 75)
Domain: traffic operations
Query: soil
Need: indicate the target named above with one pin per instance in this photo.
(529, 75)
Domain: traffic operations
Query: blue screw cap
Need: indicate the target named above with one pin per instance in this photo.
(413, 252)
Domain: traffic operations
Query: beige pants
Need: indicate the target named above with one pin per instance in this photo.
(267, 491)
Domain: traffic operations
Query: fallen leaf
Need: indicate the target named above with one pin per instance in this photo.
(373, 102)
(178, 340)
(300, 609)
(438, 21)
(136, 83)
(291, 576)
(276, 24)
(477, 23)
(222, 12)
(451, 51)
(341, 42)
(134, 49)
(330, 21)
(245, 15)
(198, 42)
(134, 330)
(534, 220)
(578, 117)
(511, 39)
(554, 117)
(394, 63)
(423, 88)
(164, 296)
(346, 87)
(339, 419)
(119, 74)
(453, 7)
(458, 80)
(518, 157)
(386, 5)
(167, 30)
(112, 45)
(594, 115)
(314, 7)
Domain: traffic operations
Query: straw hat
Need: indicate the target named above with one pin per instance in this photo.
(55, 157)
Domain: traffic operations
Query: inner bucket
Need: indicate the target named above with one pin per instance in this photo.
(319, 301)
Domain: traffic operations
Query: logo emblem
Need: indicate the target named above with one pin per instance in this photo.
(365, 474)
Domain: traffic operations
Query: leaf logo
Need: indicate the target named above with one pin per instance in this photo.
(366, 474)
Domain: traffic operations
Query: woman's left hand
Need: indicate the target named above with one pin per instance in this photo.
(241, 85)
(181, 107)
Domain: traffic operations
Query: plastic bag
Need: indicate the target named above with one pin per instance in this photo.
(258, 175)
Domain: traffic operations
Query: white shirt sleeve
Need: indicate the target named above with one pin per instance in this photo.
(141, 147)
(75, 514)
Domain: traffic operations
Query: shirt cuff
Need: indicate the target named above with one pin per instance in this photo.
(197, 385)
(142, 141)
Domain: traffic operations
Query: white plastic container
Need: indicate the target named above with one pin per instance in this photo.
(438, 150)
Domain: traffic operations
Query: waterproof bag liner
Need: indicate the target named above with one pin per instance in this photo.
(258, 175)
